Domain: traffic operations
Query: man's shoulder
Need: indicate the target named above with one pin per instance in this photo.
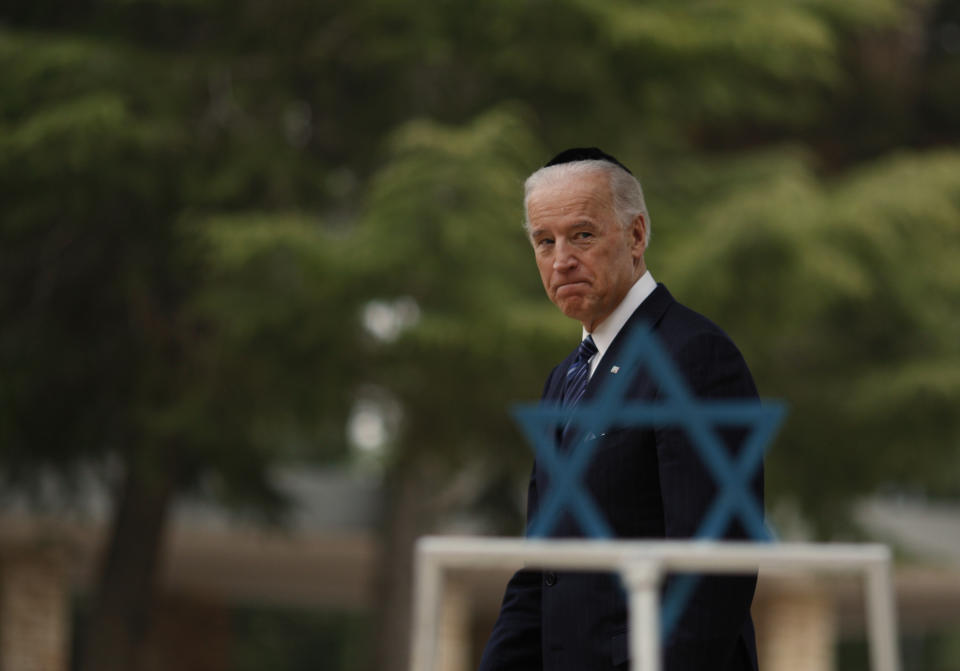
(680, 320)
(705, 352)
(678, 324)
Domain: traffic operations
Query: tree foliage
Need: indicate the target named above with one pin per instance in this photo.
(856, 332)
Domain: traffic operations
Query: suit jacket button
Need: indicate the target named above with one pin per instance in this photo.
(549, 578)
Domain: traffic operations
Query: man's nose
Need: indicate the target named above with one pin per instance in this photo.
(563, 257)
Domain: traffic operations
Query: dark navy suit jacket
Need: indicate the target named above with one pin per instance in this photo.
(649, 483)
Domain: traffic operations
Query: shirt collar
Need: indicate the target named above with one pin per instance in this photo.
(608, 329)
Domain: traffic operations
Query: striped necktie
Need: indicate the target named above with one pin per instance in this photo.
(579, 372)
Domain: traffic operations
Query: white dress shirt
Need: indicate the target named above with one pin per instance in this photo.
(608, 329)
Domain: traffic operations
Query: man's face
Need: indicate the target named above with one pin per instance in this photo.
(587, 261)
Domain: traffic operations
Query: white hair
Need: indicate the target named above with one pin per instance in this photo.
(625, 189)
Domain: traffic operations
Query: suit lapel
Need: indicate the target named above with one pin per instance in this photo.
(648, 315)
(554, 387)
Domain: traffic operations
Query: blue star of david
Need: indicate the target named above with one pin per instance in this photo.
(698, 417)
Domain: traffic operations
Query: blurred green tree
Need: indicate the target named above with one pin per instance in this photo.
(839, 295)
(138, 334)
(442, 229)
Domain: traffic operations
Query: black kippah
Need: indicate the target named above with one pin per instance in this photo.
(584, 154)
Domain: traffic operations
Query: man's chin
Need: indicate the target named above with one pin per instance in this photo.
(575, 309)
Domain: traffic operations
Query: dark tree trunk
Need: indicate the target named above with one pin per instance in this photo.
(126, 593)
(406, 516)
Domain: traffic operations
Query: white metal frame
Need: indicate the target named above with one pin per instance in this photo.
(642, 565)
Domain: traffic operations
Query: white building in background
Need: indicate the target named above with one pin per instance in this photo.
(325, 559)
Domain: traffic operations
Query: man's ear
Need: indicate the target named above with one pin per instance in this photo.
(638, 235)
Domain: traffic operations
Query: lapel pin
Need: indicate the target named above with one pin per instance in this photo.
(615, 370)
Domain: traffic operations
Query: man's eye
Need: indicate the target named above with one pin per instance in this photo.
(543, 242)
(583, 235)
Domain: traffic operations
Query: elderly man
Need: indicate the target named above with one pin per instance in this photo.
(589, 228)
